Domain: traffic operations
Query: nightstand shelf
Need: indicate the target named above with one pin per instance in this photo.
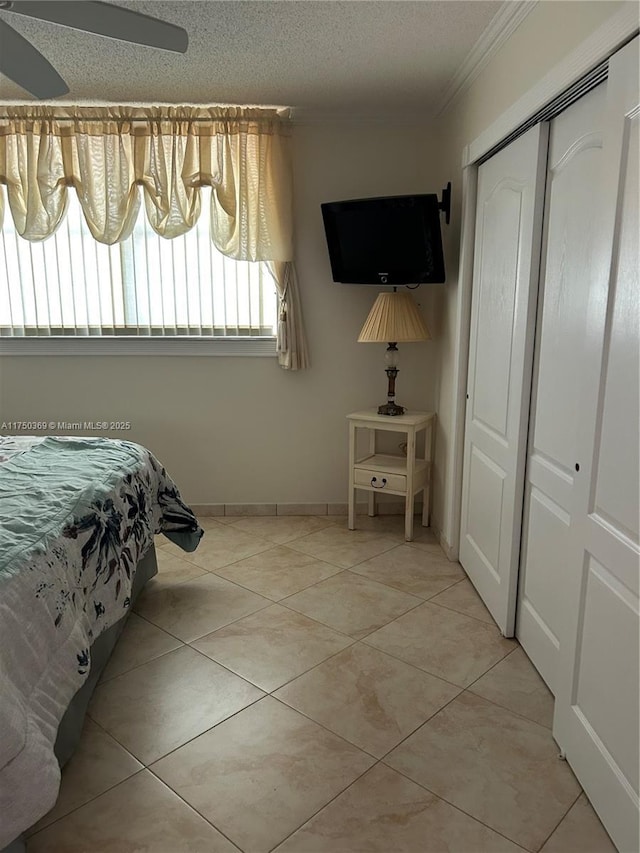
(391, 473)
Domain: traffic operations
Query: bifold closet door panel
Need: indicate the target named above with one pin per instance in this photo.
(570, 246)
(597, 701)
(510, 201)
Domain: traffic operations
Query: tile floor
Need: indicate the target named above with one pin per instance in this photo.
(295, 686)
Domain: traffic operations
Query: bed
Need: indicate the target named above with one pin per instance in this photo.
(77, 523)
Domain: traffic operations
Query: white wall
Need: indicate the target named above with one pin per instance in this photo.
(545, 37)
(242, 430)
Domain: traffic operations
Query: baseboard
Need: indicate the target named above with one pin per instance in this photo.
(291, 509)
(207, 510)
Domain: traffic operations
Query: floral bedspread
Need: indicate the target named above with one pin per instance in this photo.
(76, 516)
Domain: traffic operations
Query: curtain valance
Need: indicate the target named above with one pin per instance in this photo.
(107, 153)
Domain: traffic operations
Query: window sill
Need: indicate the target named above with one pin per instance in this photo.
(174, 346)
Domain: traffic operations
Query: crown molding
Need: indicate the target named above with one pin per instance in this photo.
(511, 14)
(599, 46)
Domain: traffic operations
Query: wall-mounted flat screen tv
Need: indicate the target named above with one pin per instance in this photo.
(393, 240)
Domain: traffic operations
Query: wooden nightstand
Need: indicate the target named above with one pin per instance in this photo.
(394, 474)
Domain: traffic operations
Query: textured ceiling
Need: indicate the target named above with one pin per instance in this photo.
(368, 58)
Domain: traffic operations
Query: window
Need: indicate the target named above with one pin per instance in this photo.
(72, 285)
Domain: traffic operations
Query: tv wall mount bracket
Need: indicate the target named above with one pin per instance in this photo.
(445, 204)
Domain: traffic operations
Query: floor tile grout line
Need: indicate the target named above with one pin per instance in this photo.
(268, 603)
(504, 707)
(111, 678)
(493, 665)
(189, 643)
(398, 589)
(282, 601)
(326, 805)
(109, 735)
(289, 708)
(353, 639)
(420, 785)
(372, 648)
(216, 572)
(200, 734)
(164, 654)
(400, 742)
(194, 809)
(497, 704)
(358, 639)
(174, 584)
(230, 671)
(126, 779)
(271, 547)
(456, 807)
(370, 580)
(222, 577)
(453, 699)
(408, 663)
(359, 562)
(288, 595)
(324, 727)
(458, 687)
(491, 624)
(297, 710)
(281, 604)
(315, 666)
(381, 535)
(428, 671)
(377, 760)
(92, 799)
(564, 815)
(246, 557)
(353, 642)
(457, 696)
(149, 766)
(358, 746)
(303, 536)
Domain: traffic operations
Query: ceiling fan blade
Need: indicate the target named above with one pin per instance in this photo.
(26, 66)
(106, 19)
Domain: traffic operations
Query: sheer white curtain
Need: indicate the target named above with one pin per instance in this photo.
(107, 153)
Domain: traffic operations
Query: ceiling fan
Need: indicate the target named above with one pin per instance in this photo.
(26, 66)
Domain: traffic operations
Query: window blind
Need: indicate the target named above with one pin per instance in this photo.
(72, 285)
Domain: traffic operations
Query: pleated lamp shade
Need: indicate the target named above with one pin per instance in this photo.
(394, 317)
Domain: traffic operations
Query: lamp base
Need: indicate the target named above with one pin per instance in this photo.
(390, 409)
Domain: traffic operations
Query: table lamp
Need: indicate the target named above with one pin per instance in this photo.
(394, 318)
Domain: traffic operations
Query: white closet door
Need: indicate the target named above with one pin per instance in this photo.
(570, 247)
(597, 713)
(507, 238)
